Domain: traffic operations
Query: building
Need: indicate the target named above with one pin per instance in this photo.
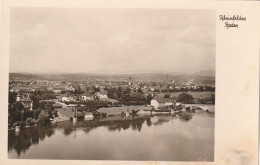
(25, 100)
(87, 96)
(161, 102)
(57, 90)
(102, 94)
(67, 97)
(193, 86)
(19, 88)
(157, 88)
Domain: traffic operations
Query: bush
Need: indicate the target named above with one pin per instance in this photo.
(43, 121)
(18, 123)
(36, 114)
(185, 98)
(167, 96)
(43, 118)
(29, 122)
(55, 113)
(208, 100)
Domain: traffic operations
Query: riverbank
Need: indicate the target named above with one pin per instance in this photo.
(66, 113)
(119, 110)
(205, 107)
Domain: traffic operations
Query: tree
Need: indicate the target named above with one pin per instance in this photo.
(46, 105)
(49, 106)
(140, 91)
(112, 93)
(212, 98)
(133, 99)
(13, 116)
(43, 118)
(96, 89)
(77, 90)
(12, 97)
(207, 100)
(41, 95)
(36, 101)
(49, 113)
(149, 97)
(185, 98)
(22, 115)
(90, 105)
(167, 95)
(18, 105)
(119, 92)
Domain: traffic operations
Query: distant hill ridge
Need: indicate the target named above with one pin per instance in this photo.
(210, 73)
(198, 77)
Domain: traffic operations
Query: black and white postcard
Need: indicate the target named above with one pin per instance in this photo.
(93, 82)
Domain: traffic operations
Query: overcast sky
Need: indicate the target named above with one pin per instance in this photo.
(112, 40)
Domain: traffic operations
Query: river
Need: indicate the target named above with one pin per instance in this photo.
(160, 137)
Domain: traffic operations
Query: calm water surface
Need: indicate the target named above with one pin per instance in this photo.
(161, 137)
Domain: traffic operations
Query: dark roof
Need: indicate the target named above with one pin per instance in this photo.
(25, 99)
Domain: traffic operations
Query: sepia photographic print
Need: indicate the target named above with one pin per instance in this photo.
(112, 84)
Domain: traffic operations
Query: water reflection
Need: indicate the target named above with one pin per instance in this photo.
(114, 123)
(22, 141)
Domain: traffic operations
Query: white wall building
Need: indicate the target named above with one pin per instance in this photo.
(161, 102)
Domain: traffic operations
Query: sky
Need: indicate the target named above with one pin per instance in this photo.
(85, 40)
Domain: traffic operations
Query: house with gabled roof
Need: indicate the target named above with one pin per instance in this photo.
(69, 97)
(161, 102)
(102, 94)
(157, 88)
(87, 96)
(25, 99)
